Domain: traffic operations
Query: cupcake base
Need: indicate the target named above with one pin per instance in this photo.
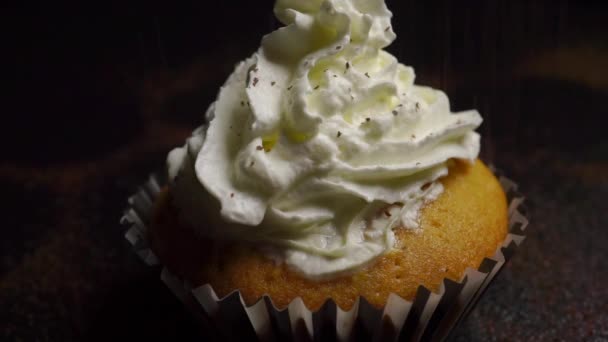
(428, 316)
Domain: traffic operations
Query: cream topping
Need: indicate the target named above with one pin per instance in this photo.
(320, 144)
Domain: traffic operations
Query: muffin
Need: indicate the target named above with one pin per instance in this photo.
(323, 174)
(464, 225)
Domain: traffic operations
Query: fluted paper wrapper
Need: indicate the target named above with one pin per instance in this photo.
(429, 316)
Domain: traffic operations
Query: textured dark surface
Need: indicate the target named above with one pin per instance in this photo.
(99, 95)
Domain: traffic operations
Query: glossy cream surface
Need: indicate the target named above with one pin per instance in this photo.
(320, 143)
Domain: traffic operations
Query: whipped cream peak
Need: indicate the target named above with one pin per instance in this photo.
(320, 144)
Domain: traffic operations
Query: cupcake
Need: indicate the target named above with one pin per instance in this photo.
(324, 176)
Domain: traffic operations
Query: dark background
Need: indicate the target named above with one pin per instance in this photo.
(96, 93)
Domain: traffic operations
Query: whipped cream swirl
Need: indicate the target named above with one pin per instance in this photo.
(320, 144)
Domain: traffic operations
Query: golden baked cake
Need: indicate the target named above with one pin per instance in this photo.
(458, 230)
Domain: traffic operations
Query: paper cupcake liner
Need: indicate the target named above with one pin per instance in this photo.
(429, 316)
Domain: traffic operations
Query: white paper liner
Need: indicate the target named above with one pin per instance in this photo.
(429, 316)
